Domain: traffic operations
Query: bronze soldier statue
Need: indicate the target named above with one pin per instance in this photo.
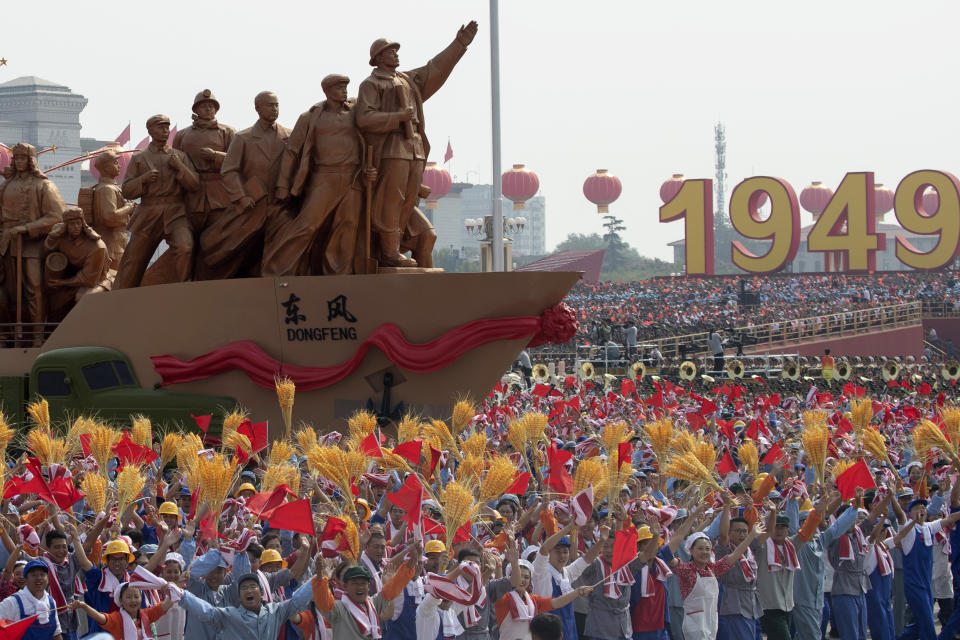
(77, 263)
(159, 176)
(30, 206)
(233, 243)
(322, 165)
(390, 115)
(111, 211)
(205, 143)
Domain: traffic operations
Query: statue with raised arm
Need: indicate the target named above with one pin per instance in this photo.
(390, 116)
(233, 243)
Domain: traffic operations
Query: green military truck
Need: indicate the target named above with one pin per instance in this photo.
(100, 382)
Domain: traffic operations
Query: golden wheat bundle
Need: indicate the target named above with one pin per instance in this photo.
(232, 422)
(39, 412)
(408, 429)
(141, 431)
(438, 434)
(356, 461)
(275, 475)
(360, 425)
(80, 426)
(840, 466)
(813, 417)
(216, 475)
(306, 439)
(129, 486)
(874, 443)
(613, 434)
(682, 443)
(186, 456)
(281, 451)
(861, 413)
(393, 462)
(618, 471)
(705, 451)
(458, 507)
(500, 474)
(749, 456)
(590, 471)
(102, 439)
(475, 444)
(660, 433)
(353, 539)
(286, 390)
(951, 423)
(94, 487)
(685, 466)
(926, 436)
(46, 448)
(470, 469)
(534, 423)
(168, 447)
(238, 442)
(463, 414)
(330, 463)
(815, 438)
(517, 436)
(6, 435)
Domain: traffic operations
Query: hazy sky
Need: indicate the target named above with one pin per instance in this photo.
(807, 90)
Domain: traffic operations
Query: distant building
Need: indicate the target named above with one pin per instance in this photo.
(473, 201)
(45, 114)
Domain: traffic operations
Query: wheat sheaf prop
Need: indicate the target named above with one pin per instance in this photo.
(861, 413)
(286, 390)
(686, 466)
(500, 475)
(660, 434)
(951, 423)
(927, 436)
(458, 508)
(749, 457)
(815, 438)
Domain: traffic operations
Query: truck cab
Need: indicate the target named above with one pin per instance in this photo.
(99, 381)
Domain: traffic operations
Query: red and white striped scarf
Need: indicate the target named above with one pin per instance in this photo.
(884, 561)
(443, 588)
(748, 565)
(393, 530)
(661, 572)
(943, 536)
(613, 581)
(521, 609)
(781, 556)
(368, 624)
(56, 591)
(471, 614)
(847, 549)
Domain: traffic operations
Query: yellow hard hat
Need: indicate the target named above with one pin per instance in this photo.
(759, 480)
(807, 505)
(644, 533)
(272, 555)
(169, 509)
(246, 486)
(434, 546)
(116, 547)
(366, 509)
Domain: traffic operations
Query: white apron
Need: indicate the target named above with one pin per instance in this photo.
(700, 610)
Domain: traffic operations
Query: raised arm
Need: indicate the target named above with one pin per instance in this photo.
(723, 534)
(78, 551)
(570, 596)
(681, 533)
(95, 615)
(742, 547)
(594, 552)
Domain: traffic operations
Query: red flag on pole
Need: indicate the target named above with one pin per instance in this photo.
(726, 464)
(856, 476)
(449, 154)
(410, 451)
(558, 478)
(203, 422)
(293, 516)
(773, 455)
(124, 136)
(10, 630)
(519, 486)
(624, 548)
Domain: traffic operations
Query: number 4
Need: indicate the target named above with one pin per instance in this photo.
(848, 224)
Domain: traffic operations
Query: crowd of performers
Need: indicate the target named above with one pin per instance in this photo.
(652, 510)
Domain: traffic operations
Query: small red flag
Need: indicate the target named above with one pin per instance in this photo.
(257, 433)
(371, 446)
(129, 452)
(856, 476)
(542, 390)
(10, 630)
(519, 486)
(627, 387)
(409, 451)
(265, 502)
(434, 459)
(449, 153)
(726, 465)
(124, 136)
(773, 455)
(463, 534)
(203, 422)
(624, 451)
(624, 548)
(293, 516)
(409, 497)
(558, 478)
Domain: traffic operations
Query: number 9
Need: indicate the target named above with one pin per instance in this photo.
(782, 227)
(944, 222)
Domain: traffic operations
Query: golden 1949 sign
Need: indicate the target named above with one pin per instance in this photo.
(847, 225)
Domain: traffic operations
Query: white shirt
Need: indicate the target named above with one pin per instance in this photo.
(929, 529)
(430, 616)
(31, 606)
(542, 577)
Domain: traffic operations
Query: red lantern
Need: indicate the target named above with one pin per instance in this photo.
(670, 188)
(6, 157)
(123, 158)
(438, 179)
(931, 202)
(815, 198)
(601, 189)
(882, 200)
(519, 184)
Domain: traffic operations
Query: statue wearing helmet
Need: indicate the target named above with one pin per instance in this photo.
(205, 143)
(77, 263)
(30, 206)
